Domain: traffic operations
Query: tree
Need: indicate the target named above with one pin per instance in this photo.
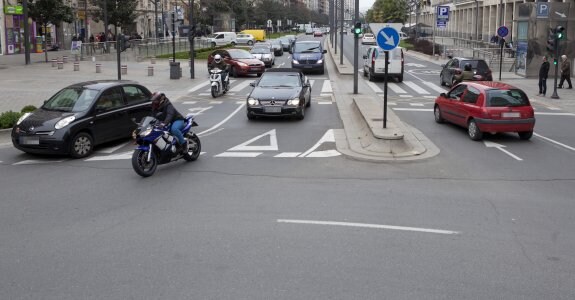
(388, 11)
(120, 12)
(46, 12)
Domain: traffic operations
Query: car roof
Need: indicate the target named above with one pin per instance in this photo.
(283, 70)
(467, 58)
(102, 84)
(488, 85)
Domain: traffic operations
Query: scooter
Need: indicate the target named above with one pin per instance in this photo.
(156, 146)
(218, 87)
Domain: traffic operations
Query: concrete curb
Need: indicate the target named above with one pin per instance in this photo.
(346, 68)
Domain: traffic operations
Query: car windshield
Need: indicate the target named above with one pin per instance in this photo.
(475, 64)
(279, 80)
(504, 98)
(260, 50)
(307, 47)
(72, 99)
(284, 40)
(239, 54)
(276, 42)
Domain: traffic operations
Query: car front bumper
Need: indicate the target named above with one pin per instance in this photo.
(308, 67)
(251, 70)
(47, 144)
(286, 111)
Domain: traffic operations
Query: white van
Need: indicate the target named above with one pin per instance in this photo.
(222, 38)
(374, 63)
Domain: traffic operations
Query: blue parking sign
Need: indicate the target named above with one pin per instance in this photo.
(543, 9)
(443, 12)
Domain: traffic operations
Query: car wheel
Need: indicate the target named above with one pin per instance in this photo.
(308, 103)
(437, 113)
(234, 72)
(213, 45)
(364, 73)
(250, 43)
(259, 74)
(473, 130)
(400, 78)
(322, 71)
(525, 135)
(301, 115)
(441, 82)
(370, 76)
(233, 44)
(82, 145)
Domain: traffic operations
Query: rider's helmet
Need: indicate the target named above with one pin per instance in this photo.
(217, 58)
(467, 67)
(158, 99)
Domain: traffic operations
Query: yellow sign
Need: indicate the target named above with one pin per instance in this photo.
(81, 14)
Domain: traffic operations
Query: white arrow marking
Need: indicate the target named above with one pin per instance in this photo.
(489, 144)
(198, 110)
(387, 39)
(561, 14)
(273, 146)
(111, 150)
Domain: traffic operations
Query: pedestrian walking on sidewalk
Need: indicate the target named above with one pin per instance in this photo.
(543, 73)
(565, 72)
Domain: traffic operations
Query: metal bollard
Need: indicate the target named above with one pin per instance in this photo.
(98, 68)
(60, 65)
(54, 62)
(76, 66)
(124, 70)
(65, 59)
(150, 70)
(153, 60)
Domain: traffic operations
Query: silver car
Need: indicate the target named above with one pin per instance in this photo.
(244, 38)
(264, 54)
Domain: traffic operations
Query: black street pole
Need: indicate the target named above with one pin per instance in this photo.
(26, 32)
(331, 23)
(191, 36)
(156, 23)
(341, 41)
(118, 50)
(555, 95)
(502, 41)
(356, 50)
(107, 49)
(174, 37)
(386, 70)
(335, 24)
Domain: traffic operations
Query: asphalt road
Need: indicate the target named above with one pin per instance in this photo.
(298, 221)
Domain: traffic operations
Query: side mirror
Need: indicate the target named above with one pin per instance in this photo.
(324, 51)
(443, 95)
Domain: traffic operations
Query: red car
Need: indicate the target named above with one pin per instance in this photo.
(486, 106)
(317, 33)
(241, 62)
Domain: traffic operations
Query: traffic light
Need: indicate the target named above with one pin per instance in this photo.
(551, 41)
(357, 30)
(555, 61)
(560, 32)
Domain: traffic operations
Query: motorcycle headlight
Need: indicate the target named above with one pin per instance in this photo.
(146, 132)
(295, 62)
(64, 122)
(252, 101)
(293, 102)
(23, 117)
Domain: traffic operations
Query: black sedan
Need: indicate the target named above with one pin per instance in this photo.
(279, 92)
(81, 116)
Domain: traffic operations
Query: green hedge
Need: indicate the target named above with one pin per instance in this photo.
(8, 119)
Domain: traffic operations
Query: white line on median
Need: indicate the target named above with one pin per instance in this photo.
(554, 142)
(364, 225)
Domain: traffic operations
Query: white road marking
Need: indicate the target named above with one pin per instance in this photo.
(325, 95)
(391, 103)
(554, 142)
(374, 87)
(273, 146)
(198, 110)
(189, 102)
(416, 104)
(240, 102)
(326, 88)
(238, 154)
(216, 102)
(224, 120)
(364, 225)
(414, 109)
(324, 102)
(119, 156)
(430, 97)
(327, 137)
(554, 114)
(406, 96)
(415, 87)
(241, 86)
(325, 153)
(288, 154)
(434, 87)
(490, 144)
(111, 150)
(204, 94)
(199, 86)
(35, 161)
(395, 88)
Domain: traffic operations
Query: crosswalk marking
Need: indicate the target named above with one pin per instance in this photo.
(395, 88)
(241, 86)
(430, 97)
(415, 87)
(416, 104)
(311, 82)
(406, 96)
(35, 161)
(190, 102)
(199, 86)
(374, 87)
(326, 88)
(324, 102)
(434, 87)
(288, 154)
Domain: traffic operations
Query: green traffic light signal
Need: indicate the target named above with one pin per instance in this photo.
(555, 61)
(357, 30)
(560, 32)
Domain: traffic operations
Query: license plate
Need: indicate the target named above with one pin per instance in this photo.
(29, 140)
(511, 115)
(255, 69)
(273, 109)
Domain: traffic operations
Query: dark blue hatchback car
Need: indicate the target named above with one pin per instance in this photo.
(308, 56)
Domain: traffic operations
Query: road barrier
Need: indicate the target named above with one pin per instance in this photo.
(150, 70)
(124, 69)
(60, 65)
(54, 62)
(65, 59)
(98, 68)
(76, 66)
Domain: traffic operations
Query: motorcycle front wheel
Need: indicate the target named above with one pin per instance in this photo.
(194, 147)
(214, 91)
(140, 164)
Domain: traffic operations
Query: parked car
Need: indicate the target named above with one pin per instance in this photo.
(278, 47)
(81, 116)
(308, 56)
(264, 54)
(403, 36)
(374, 63)
(317, 33)
(244, 38)
(368, 38)
(259, 34)
(486, 106)
(222, 38)
(241, 62)
(454, 68)
(279, 92)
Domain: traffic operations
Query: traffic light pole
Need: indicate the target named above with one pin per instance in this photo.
(556, 59)
(356, 50)
(341, 40)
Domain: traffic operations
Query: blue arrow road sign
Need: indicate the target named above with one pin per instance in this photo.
(387, 38)
(502, 31)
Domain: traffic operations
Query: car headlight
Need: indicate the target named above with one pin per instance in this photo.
(23, 117)
(146, 132)
(241, 64)
(320, 61)
(293, 102)
(64, 122)
(252, 101)
(295, 62)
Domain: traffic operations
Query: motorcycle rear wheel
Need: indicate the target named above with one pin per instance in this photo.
(194, 147)
(141, 166)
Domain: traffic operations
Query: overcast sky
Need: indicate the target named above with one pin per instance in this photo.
(365, 4)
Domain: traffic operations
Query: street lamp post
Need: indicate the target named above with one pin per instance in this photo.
(355, 50)
(191, 35)
(341, 41)
(335, 24)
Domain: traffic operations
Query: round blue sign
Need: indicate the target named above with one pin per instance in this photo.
(387, 38)
(502, 31)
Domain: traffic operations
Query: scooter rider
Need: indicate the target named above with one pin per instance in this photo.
(164, 111)
(219, 63)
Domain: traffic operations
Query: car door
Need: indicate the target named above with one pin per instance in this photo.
(444, 71)
(138, 105)
(468, 105)
(306, 88)
(367, 61)
(109, 116)
(450, 109)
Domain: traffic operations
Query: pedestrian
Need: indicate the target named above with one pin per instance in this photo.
(565, 72)
(543, 73)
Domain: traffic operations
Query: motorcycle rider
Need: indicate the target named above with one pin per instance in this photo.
(219, 63)
(165, 112)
